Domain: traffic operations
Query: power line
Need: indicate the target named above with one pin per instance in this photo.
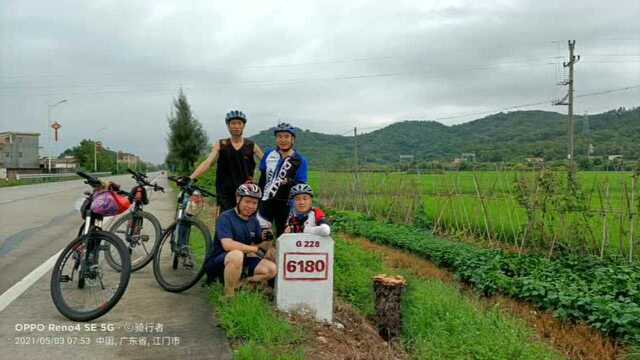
(511, 107)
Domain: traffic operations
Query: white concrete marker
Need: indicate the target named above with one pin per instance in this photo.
(21, 286)
(305, 275)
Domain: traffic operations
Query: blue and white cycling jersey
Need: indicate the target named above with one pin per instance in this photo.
(280, 174)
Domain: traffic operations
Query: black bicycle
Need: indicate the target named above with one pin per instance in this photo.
(140, 230)
(178, 263)
(82, 288)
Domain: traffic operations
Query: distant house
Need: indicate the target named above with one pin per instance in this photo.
(534, 160)
(614, 157)
(67, 163)
(130, 160)
(469, 157)
(19, 150)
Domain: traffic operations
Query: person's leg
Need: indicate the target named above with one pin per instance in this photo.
(232, 271)
(266, 210)
(260, 270)
(280, 215)
(214, 267)
(225, 203)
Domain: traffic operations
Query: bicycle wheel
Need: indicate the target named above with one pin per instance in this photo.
(82, 289)
(179, 260)
(141, 232)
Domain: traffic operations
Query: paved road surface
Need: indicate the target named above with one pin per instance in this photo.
(37, 221)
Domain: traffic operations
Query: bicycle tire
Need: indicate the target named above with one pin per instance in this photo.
(157, 228)
(157, 268)
(124, 276)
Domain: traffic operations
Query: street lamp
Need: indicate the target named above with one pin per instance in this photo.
(95, 152)
(49, 107)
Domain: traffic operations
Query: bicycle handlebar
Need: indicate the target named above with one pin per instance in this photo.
(191, 185)
(90, 180)
(142, 180)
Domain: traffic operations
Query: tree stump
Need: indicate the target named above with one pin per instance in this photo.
(389, 290)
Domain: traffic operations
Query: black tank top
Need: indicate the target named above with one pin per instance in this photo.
(234, 167)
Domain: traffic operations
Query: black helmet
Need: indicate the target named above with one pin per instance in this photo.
(235, 114)
(284, 127)
(300, 189)
(250, 190)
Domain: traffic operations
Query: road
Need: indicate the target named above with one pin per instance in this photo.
(37, 221)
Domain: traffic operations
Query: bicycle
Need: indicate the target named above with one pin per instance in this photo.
(78, 275)
(179, 261)
(132, 227)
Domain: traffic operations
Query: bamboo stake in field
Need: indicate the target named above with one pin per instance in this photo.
(604, 205)
(632, 215)
(465, 215)
(484, 206)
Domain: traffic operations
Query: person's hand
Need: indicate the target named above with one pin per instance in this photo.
(183, 180)
(267, 235)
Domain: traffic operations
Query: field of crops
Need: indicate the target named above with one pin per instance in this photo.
(532, 210)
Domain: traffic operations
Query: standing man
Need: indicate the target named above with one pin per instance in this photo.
(236, 161)
(280, 169)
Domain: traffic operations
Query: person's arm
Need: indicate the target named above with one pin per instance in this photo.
(262, 181)
(206, 165)
(229, 244)
(322, 230)
(257, 152)
(225, 233)
(302, 173)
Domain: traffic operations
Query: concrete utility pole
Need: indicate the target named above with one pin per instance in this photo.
(355, 149)
(568, 100)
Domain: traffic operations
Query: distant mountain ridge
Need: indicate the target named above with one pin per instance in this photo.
(511, 136)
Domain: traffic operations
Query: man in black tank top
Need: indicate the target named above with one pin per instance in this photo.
(235, 159)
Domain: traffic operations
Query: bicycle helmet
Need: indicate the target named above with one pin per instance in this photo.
(109, 203)
(235, 114)
(284, 127)
(300, 189)
(251, 190)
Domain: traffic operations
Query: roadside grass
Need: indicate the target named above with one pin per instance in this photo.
(8, 183)
(439, 322)
(249, 319)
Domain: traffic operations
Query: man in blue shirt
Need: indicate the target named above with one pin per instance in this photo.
(280, 169)
(235, 252)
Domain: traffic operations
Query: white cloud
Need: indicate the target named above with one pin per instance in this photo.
(325, 66)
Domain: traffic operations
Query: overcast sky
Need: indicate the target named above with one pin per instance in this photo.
(325, 66)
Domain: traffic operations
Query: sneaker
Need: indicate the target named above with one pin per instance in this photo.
(187, 259)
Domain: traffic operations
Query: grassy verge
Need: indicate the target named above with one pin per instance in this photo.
(8, 183)
(440, 323)
(249, 319)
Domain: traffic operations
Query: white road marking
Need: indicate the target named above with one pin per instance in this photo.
(21, 286)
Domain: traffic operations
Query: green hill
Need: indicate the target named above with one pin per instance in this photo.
(509, 136)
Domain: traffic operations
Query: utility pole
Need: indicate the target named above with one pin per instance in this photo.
(355, 148)
(568, 100)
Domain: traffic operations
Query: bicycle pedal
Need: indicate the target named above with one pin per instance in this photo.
(65, 278)
(144, 237)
